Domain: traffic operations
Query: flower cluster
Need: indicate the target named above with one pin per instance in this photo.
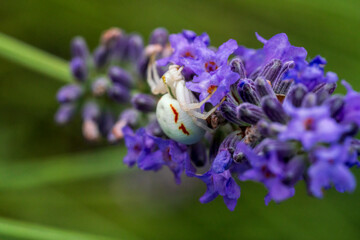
(274, 118)
(104, 83)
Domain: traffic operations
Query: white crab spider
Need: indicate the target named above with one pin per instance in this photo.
(178, 111)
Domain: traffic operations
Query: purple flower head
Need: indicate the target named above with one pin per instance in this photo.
(330, 168)
(212, 70)
(310, 74)
(311, 126)
(221, 184)
(268, 170)
(151, 153)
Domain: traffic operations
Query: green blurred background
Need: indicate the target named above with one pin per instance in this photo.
(54, 185)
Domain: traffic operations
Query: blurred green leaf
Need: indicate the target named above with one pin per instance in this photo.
(60, 169)
(25, 230)
(33, 58)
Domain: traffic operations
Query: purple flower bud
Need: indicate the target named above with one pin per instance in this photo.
(336, 104)
(274, 110)
(268, 129)
(119, 93)
(64, 113)
(198, 154)
(144, 102)
(120, 76)
(205, 38)
(154, 129)
(79, 48)
(142, 65)
(110, 37)
(90, 130)
(78, 68)
(159, 36)
(237, 66)
(277, 83)
(130, 117)
(271, 70)
(101, 56)
(294, 170)
(69, 93)
(228, 111)
(249, 113)
(189, 35)
(328, 87)
(324, 92)
(100, 86)
(91, 111)
(264, 88)
(223, 159)
(296, 95)
(284, 86)
(310, 100)
(247, 92)
(284, 150)
(350, 130)
(135, 47)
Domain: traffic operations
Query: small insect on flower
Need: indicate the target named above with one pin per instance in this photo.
(178, 112)
(173, 83)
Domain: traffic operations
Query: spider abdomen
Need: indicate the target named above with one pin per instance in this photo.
(176, 123)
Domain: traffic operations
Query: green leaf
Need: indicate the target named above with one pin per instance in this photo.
(33, 173)
(25, 230)
(33, 58)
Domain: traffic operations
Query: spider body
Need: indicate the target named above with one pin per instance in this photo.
(183, 102)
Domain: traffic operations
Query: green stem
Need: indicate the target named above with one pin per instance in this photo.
(33, 58)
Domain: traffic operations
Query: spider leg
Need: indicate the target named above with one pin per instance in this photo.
(199, 104)
(156, 84)
(202, 124)
(207, 114)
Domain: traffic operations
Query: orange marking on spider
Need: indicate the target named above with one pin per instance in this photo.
(183, 129)
(175, 113)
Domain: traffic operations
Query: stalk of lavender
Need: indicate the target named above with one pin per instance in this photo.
(232, 113)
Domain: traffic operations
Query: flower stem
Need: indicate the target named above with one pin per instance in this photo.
(33, 58)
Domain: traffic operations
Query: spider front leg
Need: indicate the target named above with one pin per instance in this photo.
(206, 114)
(202, 124)
(190, 104)
(155, 82)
